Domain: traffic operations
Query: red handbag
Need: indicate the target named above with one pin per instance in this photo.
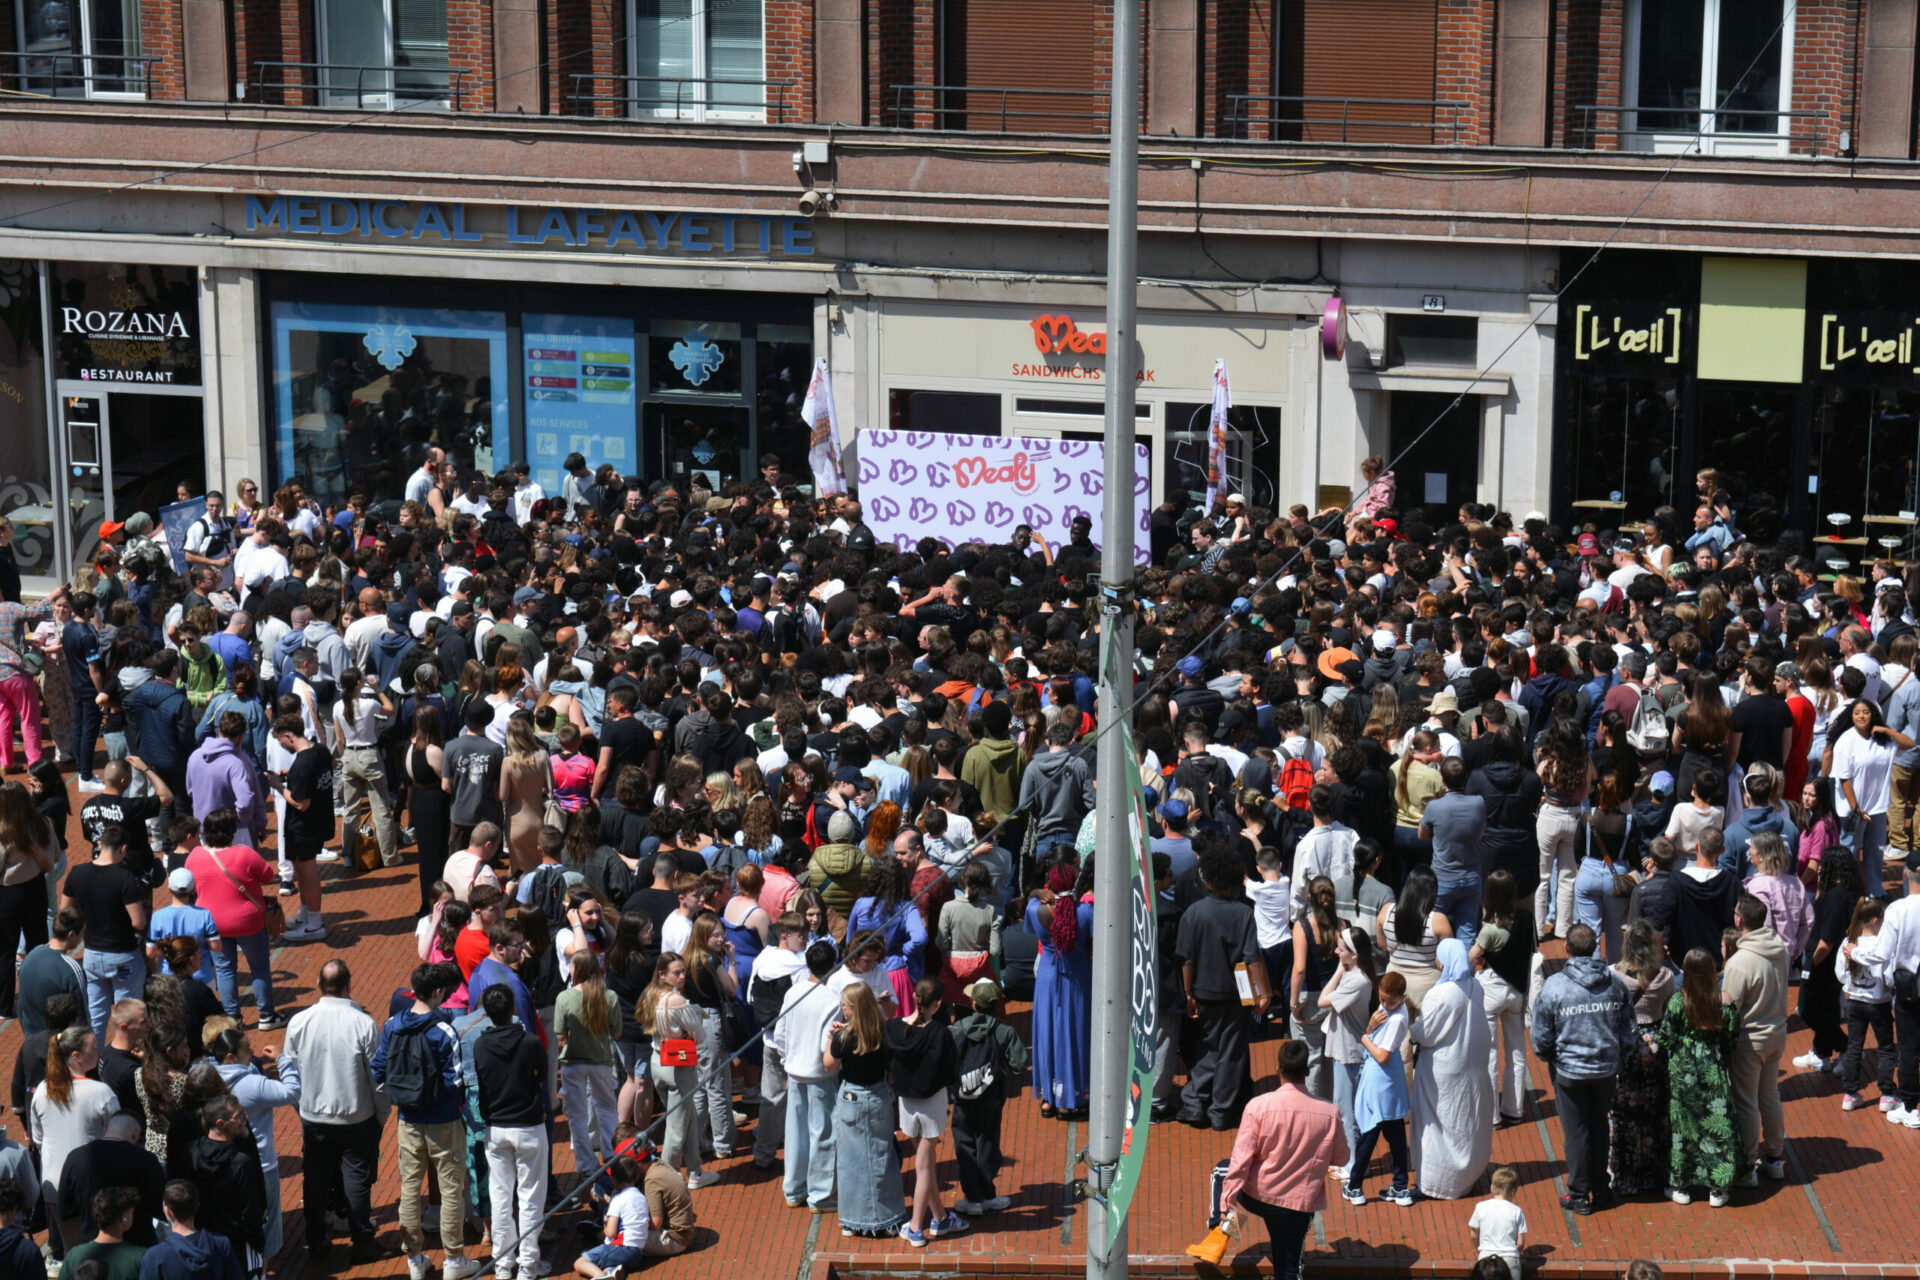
(679, 1053)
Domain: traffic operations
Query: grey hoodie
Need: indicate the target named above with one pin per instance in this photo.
(1583, 1020)
(332, 650)
(1058, 788)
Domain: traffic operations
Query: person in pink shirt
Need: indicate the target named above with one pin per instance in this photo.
(1278, 1172)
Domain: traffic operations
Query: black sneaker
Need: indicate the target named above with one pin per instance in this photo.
(1576, 1204)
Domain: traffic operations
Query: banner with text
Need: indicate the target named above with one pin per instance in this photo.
(916, 484)
(579, 394)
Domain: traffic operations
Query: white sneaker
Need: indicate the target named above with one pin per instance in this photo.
(1810, 1061)
(998, 1203)
(1719, 1199)
(459, 1268)
(1678, 1196)
(972, 1208)
(418, 1266)
(1337, 1171)
(1898, 1115)
(1889, 1104)
(91, 786)
(1911, 1119)
(328, 855)
(703, 1178)
(535, 1269)
(305, 931)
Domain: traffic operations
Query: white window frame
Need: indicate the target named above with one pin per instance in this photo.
(377, 98)
(1708, 141)
(699, 111)
(82, 54)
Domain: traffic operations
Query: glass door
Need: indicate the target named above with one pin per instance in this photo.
(700, 445)
(84, 436)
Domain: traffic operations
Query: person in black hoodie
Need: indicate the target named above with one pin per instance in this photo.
(719, 744)
(1512, 794)
(1704, 896)
(1656, 898)
(511, 1067)
(225, 1165)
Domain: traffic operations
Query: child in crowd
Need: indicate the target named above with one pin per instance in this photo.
(1382, 1103)
(1866, 980)
(1498, 1225)
(1272, 896)
(183, 919)
(184, 837)
(625, 1230)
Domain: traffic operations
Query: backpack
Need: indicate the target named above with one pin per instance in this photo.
(1296, 778)
(1648, 733)
(728, 859)
(547, 890)
(413, 1070)
(978, 1068)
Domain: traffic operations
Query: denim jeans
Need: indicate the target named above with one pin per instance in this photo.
(1868, 839)
(111, 976)
(226, 973)
(714, 1096)
(1346, 1086)
(1595, 905)
(1459, 902)
(810, 1163)
(86, 732)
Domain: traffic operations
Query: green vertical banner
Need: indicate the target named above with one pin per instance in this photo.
(1144, 1025)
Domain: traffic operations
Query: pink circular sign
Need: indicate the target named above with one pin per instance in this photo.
(1333, 330)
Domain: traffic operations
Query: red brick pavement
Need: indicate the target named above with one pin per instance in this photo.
(1843, 1210)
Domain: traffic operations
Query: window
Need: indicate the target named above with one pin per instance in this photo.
(1433, 340)
(379, 54)
(1718, 67)
(80, 48)
(699, 59)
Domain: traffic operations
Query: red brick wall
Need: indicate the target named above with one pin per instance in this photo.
(902, 48)
(1463, 72)
(1588, 42)
(789, 39)
(470, 47)
(585, 36)
(1236, 57)
(1826, 60)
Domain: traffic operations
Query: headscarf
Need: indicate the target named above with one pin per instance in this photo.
(1454, 964)
(1066, 918)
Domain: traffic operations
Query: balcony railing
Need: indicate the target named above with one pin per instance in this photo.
(997, 108)
(58, 73)
(1298, 118)
(681, 97)
(1688, 122)
(335, 84)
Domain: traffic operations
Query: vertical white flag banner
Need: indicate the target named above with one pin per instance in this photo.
(1217, 433)
(823, 454)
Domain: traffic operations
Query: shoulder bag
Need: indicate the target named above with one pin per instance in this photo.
(680, 1051)
(551, 814)
(269, 907)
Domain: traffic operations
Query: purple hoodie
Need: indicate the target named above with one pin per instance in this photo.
(220, 776)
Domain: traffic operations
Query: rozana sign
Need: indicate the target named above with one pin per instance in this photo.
(915, 484)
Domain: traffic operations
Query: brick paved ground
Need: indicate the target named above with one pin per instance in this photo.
(1844, 1210)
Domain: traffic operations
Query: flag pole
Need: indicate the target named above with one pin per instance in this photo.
(1112, 927)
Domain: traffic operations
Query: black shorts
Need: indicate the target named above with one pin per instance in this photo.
(299, 850)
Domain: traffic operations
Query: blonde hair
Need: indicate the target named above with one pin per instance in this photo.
(865, 1011)
(1505, 1179)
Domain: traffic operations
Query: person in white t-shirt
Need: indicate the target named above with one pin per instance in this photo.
(1863, 767)
(1498, 1225)
(625, 1233)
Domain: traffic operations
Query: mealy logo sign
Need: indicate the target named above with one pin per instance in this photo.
(1057, 334)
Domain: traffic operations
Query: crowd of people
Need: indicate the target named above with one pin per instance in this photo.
(735, 827)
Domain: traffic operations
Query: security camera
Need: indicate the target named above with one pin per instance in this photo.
(810, 202)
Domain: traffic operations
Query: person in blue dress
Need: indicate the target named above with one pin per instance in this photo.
(1382, 1103)
(1061, 916)
(888, 910)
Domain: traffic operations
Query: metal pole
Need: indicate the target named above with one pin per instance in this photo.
(1112, 926)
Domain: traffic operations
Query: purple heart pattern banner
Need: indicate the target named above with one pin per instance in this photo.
(918, 484)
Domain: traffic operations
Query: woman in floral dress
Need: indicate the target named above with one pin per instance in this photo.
(1698, 1035)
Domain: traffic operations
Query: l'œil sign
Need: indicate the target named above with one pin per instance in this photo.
(1060, 336)
(917, 484)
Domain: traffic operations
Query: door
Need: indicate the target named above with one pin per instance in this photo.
(1440, 469)
(701, 444)
(85, 438)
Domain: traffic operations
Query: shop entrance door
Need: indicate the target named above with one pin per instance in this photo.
(125, 448)
(704, 444)
(1442, 470)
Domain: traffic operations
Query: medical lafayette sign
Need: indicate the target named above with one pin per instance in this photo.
(454, 222)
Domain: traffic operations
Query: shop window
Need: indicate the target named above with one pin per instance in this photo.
(1622, 453)
(1865, 444)
(783, 365)
(698, 59)
(382, 54)
(1711, 74)
(80, 48)
(1433, 340)
(693, 356)
(360, 393)
(1746, 433)
(26, 470)
(1183, 453)
(959, 413)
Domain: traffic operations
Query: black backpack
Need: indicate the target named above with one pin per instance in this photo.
(547, 890)
(413, 1070)
(978, 1068)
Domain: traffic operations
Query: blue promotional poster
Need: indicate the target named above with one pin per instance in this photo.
(579, 394)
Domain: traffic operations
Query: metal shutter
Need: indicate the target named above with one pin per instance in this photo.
(1346, 49)
(994, 44)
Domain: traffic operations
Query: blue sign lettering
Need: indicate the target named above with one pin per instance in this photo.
(261, 214)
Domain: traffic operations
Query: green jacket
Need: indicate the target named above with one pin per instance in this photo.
(839, 873)
(202, 677)
(993, 767)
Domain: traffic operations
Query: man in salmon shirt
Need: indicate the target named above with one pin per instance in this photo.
(1278, 1172)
